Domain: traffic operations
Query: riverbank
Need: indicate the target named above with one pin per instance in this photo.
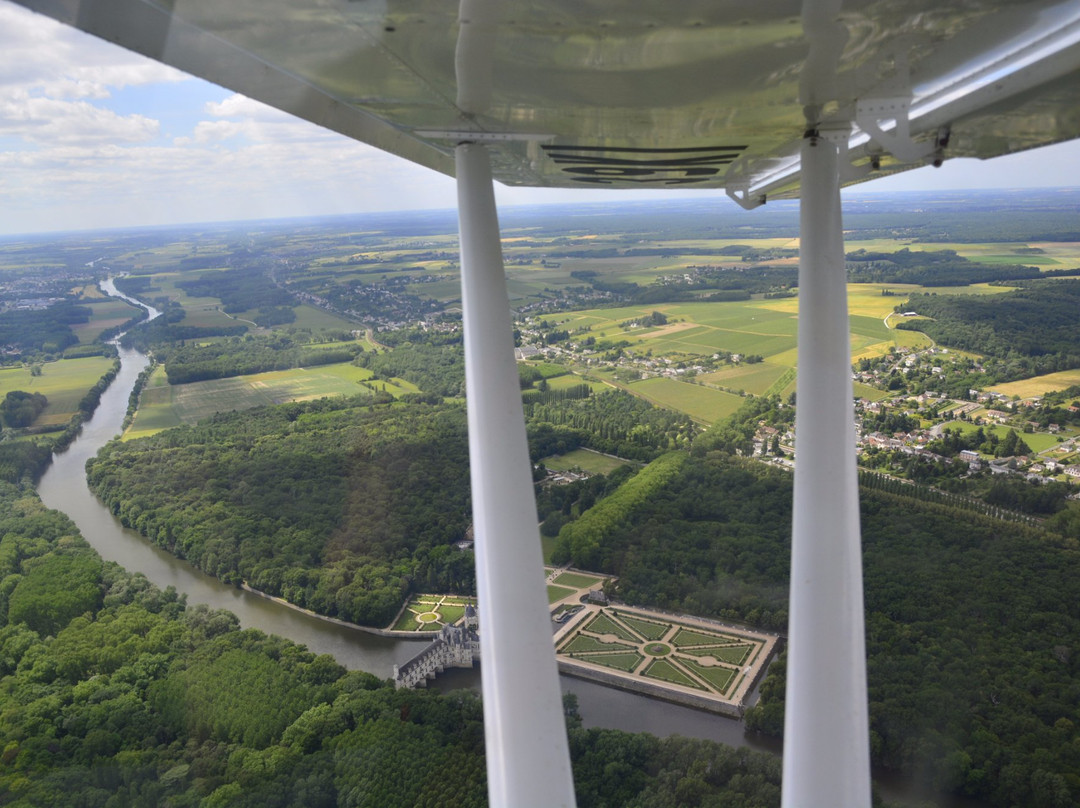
(378, 632)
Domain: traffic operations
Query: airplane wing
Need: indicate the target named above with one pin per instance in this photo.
(651, 94)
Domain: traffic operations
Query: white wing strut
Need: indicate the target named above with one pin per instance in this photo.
(528, 758)
(826, 729)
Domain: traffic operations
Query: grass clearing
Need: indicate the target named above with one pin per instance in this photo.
(1038, 441)
(585, 459)
(319, 320)
(63, 383)
(556, 593)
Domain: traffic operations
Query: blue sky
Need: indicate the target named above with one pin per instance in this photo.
(93, 136)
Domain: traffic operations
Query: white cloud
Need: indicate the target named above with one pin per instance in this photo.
(60, 62)
(37, 119)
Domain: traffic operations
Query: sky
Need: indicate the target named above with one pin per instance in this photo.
(93, 136)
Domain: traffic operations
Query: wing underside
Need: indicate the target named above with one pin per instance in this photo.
(653, 94)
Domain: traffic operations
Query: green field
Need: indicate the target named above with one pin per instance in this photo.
(319, 320)
(63, 383)
(700, 403)
(586, 460)
(165, 405)
(756, 379)
(763, 327)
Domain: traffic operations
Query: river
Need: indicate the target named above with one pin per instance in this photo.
(64, 488)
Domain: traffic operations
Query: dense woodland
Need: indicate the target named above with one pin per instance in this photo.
(338, 506)
(237, 356)
(1033, 327)
(434, 365)
(239, 290)
(33, 332)
(613, 422)
(929, 268)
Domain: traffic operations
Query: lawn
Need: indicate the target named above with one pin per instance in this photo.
(578, 581)
(63, 383)
(622, 662)
(584, 644)
(602, 624)
(733, 654)
(686, 636)
(667, 671)
(558, 593)
(646, 628)
(700, 403)
(716, 676)
(586, 460)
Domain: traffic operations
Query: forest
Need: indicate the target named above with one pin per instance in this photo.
(1034, 325)
(238, 356)
(239, 290)
(32, 332)
(117, 693)
(929, 268)
(336, 505)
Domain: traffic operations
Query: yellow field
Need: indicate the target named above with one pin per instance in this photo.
(1039, 385)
